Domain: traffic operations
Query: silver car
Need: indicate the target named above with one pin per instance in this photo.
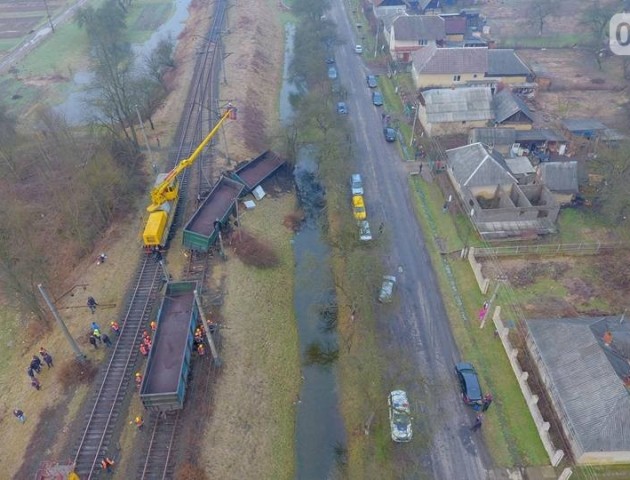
(387, 289)
(399, 416)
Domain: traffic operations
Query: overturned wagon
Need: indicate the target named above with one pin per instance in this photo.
(254, 172)
(202, 229)
(164, 384)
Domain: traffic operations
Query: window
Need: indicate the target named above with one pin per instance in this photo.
(457, 78)
(422, 42)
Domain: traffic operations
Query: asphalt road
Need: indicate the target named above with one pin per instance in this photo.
(416, 325)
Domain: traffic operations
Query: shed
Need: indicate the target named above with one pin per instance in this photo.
(584, 127)
(561, 178)
(521, 168)
(500, 139)
(583, 362)
(510, 110)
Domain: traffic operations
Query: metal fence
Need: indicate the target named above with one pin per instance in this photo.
(583, 248)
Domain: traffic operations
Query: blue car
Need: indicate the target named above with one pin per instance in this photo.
(377, 98)
(469, 384)
(332, 73)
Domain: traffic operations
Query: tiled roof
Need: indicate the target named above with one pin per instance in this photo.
(419, 27)
(503, 61)
(433, 60)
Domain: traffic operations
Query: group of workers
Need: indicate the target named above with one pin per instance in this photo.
(36, 366)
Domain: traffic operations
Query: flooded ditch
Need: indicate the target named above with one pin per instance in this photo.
(320, 436)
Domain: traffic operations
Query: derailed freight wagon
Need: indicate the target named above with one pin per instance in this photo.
(254, 172)
(164, 384)
(202, 230)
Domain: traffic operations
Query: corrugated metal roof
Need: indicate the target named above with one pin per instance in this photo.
(419, 27)
(507, 104)
(458, 60)
(560, 177)
(582, 124)
(542, 134)
(585, 385)
(492, 136)
(475, 166)
(458, 105)
(519, 165)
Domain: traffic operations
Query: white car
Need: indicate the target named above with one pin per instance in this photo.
(358, 49)
(356, 184)
(365, 233)
(387, 289)
(399, 416)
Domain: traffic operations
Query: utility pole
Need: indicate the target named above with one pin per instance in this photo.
(413, 127)
(64, 329)
(146, 141)
(52, 27)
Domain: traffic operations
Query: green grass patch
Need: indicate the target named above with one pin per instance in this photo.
(564, 40)
(145, 18)
(510, 431)
(9, 43)
(579, 225)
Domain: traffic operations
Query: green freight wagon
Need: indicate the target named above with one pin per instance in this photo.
(164, 384)
(202, 230)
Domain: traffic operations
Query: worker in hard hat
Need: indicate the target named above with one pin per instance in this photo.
(138, 379)
(139, 421)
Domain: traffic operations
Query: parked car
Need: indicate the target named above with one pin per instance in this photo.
(377, 98)
(365, 234)
(387, 289)
(358, 207)
(358, 49)
(390, 134)
(356, 184)
(399, 416)
(371, 81)
(330, 60)
(469, 384)
(342, 108)
(332, 73)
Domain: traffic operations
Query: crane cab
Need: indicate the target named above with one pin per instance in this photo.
(159, 223)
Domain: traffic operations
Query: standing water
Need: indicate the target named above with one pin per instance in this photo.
(320, 435)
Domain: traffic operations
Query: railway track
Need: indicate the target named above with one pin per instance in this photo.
(108, 398)
(108, 405)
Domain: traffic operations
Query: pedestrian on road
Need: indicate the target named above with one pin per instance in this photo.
(106, 340)
(93, 341)
(19, 414)
(487, 400)
(35, 383)
(91, 303)
(48, 359)
(478, 421)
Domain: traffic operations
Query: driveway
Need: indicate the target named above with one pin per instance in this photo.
(417, 326)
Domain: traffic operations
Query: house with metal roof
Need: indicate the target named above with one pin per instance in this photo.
(449, 111)
(535, 141)
(591, 129)
(561, 178)
(511, 111)
(409, 33)
(497, 205)
(585, 367)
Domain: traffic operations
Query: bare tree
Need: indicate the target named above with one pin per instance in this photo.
(541, 10)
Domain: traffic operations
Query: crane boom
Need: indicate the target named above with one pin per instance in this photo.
(160, 192)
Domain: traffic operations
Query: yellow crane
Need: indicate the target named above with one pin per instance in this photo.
(165, 193)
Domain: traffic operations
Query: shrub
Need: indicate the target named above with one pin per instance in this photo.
(251, 251)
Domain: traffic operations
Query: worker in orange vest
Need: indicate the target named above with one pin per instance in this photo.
(201, 350)
(139, 421)
(107, 464)
(115, 328)
(153, 325)
(144, 350)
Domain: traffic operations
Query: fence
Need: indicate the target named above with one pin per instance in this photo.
(555, 455)
(583, 248)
